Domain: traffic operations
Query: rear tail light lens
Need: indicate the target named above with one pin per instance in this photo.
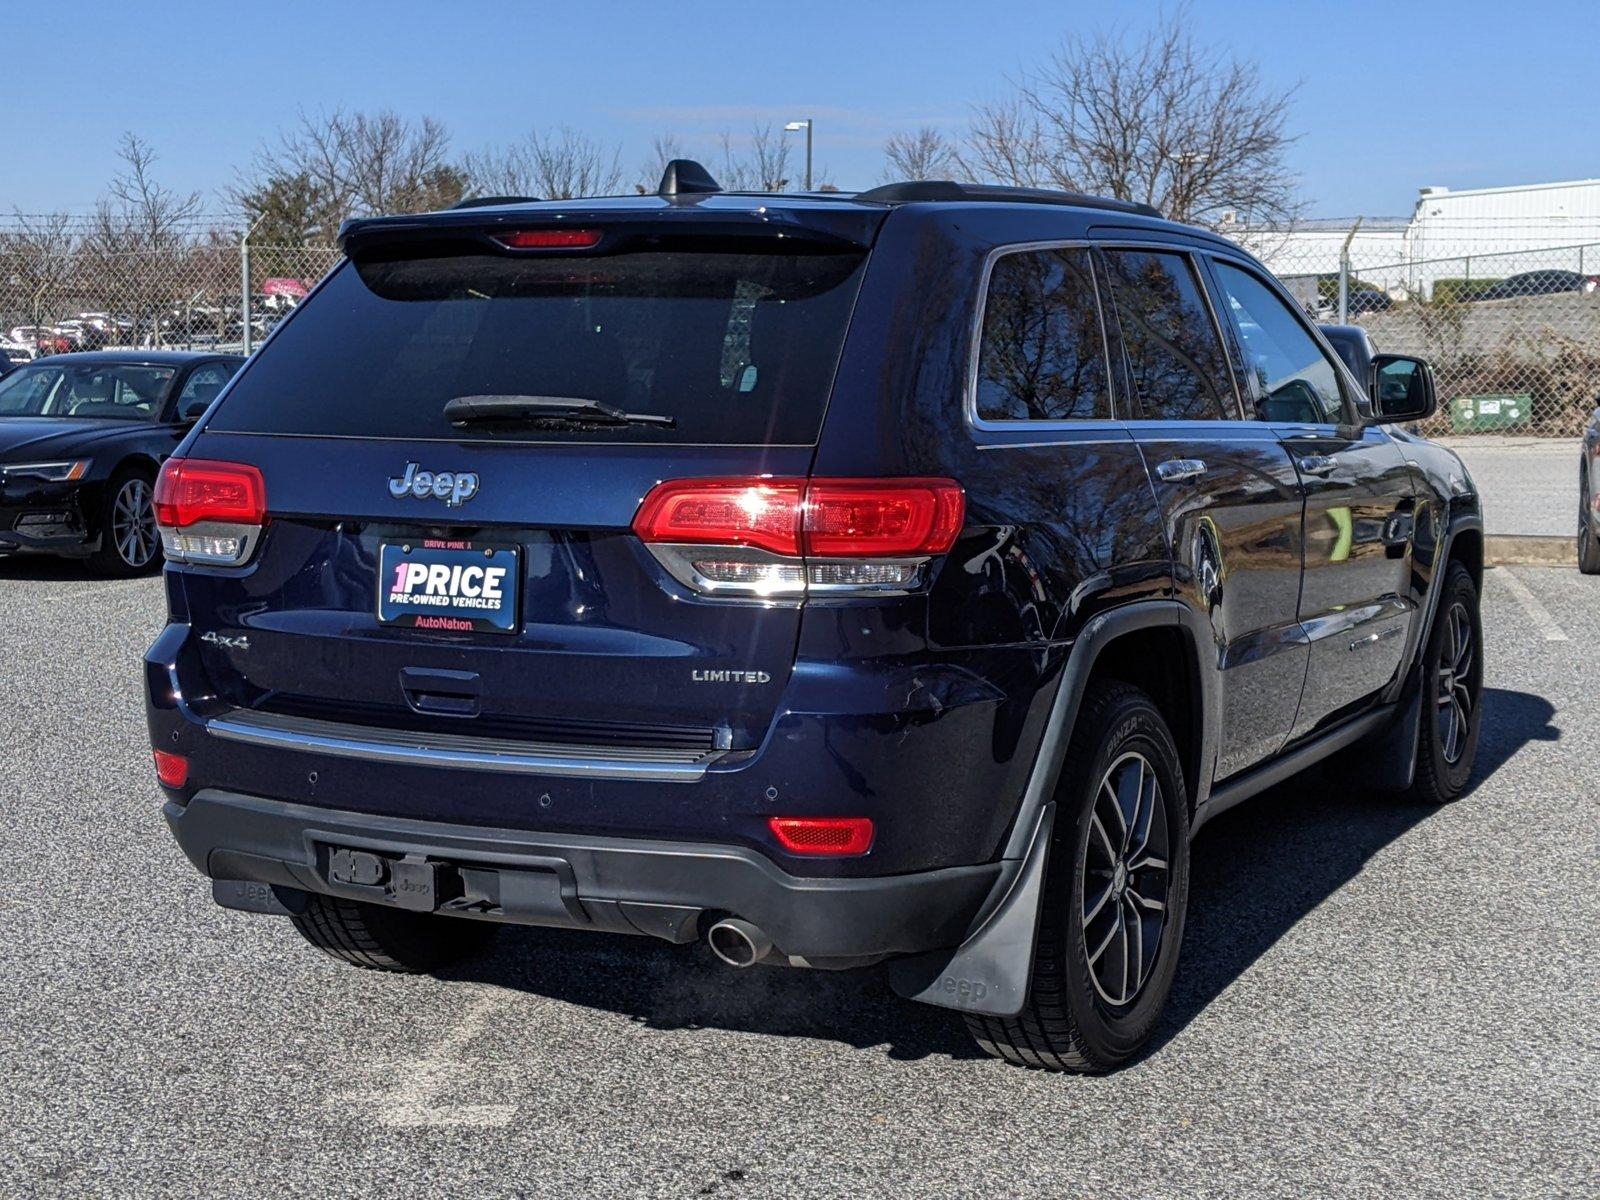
(776, 537)
(172, 770)
(838, 837)
(725, 512)
(210, 512)
(549, 239)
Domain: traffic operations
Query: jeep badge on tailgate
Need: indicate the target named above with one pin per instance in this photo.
(455, 488)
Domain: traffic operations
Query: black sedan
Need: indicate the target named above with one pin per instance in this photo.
(81, 439)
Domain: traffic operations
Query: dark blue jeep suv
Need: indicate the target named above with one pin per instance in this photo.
(899, 577)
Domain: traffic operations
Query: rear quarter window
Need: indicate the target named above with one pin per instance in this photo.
(737, 347)
(1041, 352)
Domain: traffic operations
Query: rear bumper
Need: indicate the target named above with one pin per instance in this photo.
(621, 885)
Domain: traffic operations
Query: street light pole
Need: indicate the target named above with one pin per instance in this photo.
(796, 127)
(244, 282)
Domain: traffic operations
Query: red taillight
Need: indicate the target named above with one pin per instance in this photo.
(817, 518)
(764, 513)
(549, 239)
(171, 769)
(880, 518)
(195, 490)
(838, 836)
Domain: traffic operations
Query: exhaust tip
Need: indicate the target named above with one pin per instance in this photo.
(738, 943)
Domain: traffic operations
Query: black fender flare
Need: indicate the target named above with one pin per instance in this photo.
(989, 971)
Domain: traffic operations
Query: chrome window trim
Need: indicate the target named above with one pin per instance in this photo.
(975, 347)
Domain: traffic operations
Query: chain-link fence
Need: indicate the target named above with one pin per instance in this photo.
(1513, 335)
(61, 292)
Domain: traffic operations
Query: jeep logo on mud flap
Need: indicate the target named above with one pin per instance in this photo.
(455, 488)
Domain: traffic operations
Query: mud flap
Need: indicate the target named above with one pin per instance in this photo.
(989, 972)
(1387, 760)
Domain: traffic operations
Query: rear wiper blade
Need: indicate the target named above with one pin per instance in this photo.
(466, 410)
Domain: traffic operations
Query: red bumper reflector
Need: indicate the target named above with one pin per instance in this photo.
(837, 836)
(171, 769)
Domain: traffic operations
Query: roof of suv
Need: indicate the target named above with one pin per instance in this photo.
(687, 187)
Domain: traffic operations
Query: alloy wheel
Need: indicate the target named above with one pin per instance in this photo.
(1453, 692)
(1125, 879)
(133, 524)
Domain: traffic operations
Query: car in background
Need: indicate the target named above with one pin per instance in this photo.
(81, 439)
(1353, 344)
(5, 360)
(1368, 300)
(1537, 283)
(1589, 498)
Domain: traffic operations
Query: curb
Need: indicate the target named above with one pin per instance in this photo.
(1507, 550)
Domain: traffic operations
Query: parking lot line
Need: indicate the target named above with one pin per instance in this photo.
(1537, 613)
(411, 1101)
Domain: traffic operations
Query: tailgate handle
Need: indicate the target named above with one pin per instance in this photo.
(441, 693)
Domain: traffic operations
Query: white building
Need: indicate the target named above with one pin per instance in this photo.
(1480, 233)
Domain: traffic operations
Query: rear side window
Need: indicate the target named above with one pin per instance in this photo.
(1174, 352)
(736, 347)
(1041, 354)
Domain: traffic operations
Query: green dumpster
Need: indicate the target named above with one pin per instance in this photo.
(1489, 414)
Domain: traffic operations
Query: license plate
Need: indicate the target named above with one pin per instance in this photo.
(448, 586)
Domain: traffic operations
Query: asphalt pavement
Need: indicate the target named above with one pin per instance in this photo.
(1374, 999)
(1529, 485)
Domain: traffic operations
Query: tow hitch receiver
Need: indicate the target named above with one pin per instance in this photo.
(410, 882)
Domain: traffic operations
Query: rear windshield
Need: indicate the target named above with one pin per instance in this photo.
(737, 348)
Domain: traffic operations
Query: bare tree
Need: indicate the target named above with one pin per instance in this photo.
(760, 165)
(38, 258)
(562, 165)
(1157, 119)
(924, 154)
(139, 237)
(139, 212)
(338, 165)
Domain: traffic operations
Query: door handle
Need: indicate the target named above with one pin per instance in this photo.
(1319, 464)
(1175, 470)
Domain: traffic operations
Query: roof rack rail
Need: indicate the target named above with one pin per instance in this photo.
(685, 177)
(485, 201)
(924, 190)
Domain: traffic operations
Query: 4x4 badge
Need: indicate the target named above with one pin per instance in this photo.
(455, 488)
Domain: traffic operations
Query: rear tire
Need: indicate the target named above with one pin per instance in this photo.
(389, 939)
(1452, 693)
(1102, 897)
(1588, 535)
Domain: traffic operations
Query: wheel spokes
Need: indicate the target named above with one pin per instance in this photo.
(1125, 877)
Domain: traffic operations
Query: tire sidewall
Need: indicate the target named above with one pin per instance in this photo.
(1588, 534)
(1114, 1035)
(1452, 780)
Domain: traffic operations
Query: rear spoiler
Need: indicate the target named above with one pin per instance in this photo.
(474, 230)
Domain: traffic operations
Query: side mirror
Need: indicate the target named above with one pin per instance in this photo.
(1401, 388)
(192, 409)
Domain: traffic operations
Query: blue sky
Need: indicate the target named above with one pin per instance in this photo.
(1392, 94)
